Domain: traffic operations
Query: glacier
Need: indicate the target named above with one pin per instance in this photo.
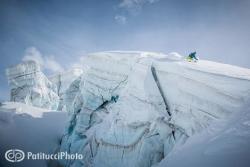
(140, 109)
(29, 85)
(148, 120)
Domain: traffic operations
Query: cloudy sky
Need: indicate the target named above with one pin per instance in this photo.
(57, 32)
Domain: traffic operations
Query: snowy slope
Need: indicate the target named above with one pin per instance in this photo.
(29, 129)
(137, 130)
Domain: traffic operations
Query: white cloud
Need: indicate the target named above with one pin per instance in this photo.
(120, 19)
(134, 6)
(47, 62)
(51, 64)
(32, 53)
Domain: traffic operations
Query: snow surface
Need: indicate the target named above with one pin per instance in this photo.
(29, 129)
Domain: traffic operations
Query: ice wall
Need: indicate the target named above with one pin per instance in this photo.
(30, 86)
(136, 130)
(63, 80)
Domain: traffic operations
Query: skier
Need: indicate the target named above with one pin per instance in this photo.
(192, 57)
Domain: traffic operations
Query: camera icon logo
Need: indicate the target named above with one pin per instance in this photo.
(14, 155)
